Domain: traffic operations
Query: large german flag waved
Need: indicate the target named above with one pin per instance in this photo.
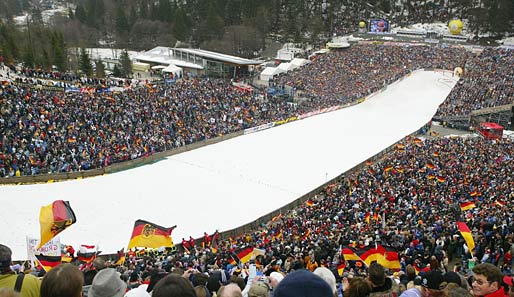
(150, 235)
(466, 233)
(243, 255)
(388, 257)
(349, 254)
(368, 254)
(48, 262)
(55, 218)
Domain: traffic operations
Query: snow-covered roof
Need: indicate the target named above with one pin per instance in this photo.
(162, 55)
(217, 56)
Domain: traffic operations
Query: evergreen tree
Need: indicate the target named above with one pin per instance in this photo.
(180, 25)
(214, 23)
(59, 50)
(85, 63)
(126, 64)
(100, 69)
(28, 58)
(143, 9)
(116, 72)
(122, 25)
(80, 13)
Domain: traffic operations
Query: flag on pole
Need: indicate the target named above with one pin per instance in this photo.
(243, 255)
(48, 262)
(467, 205)
(349, 254)
(120, 257)
(150, 235)
(340, 268)
(500, 203)
(466, 233)
(55, 218)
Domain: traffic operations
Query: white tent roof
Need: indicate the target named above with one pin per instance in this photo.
(172, 68)
(270, 71)
(298, 62)
(285, 67)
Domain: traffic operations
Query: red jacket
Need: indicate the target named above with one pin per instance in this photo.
(499, 293)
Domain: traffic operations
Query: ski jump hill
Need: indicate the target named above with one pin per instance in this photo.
(230, 183)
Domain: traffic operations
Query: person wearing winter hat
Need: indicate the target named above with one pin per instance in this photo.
(259, 289)
(303, 283)
(139, 291)
(274, 279)
(107, 283)
(327, 276)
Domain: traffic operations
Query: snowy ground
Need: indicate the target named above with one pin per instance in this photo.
(230, 183)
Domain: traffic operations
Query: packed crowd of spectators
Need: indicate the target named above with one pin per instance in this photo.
(414, 195)
(353, 73)
(46, 131)
(488, 81)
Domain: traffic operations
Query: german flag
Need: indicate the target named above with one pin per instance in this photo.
(367, 217)
(500, 203)
(55, 218)
(467, 205)
(87, 253)
(243, 255)
(441, 179)
(435, 154)
(388, 257)
(309, 203)
(388, 168)
(48, 262)
(66, 258)
(350, 254)
(120, 258)
(72, 139)
(368, 254)
(400, 147)
(418, 142)
(232, 262)
(375, 216)
(431, 176)
(474, 193)
(466, 233)
(146, 234)
(430, 165)
(340, 268)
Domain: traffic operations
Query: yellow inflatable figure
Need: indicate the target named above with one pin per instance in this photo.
(455, 27)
